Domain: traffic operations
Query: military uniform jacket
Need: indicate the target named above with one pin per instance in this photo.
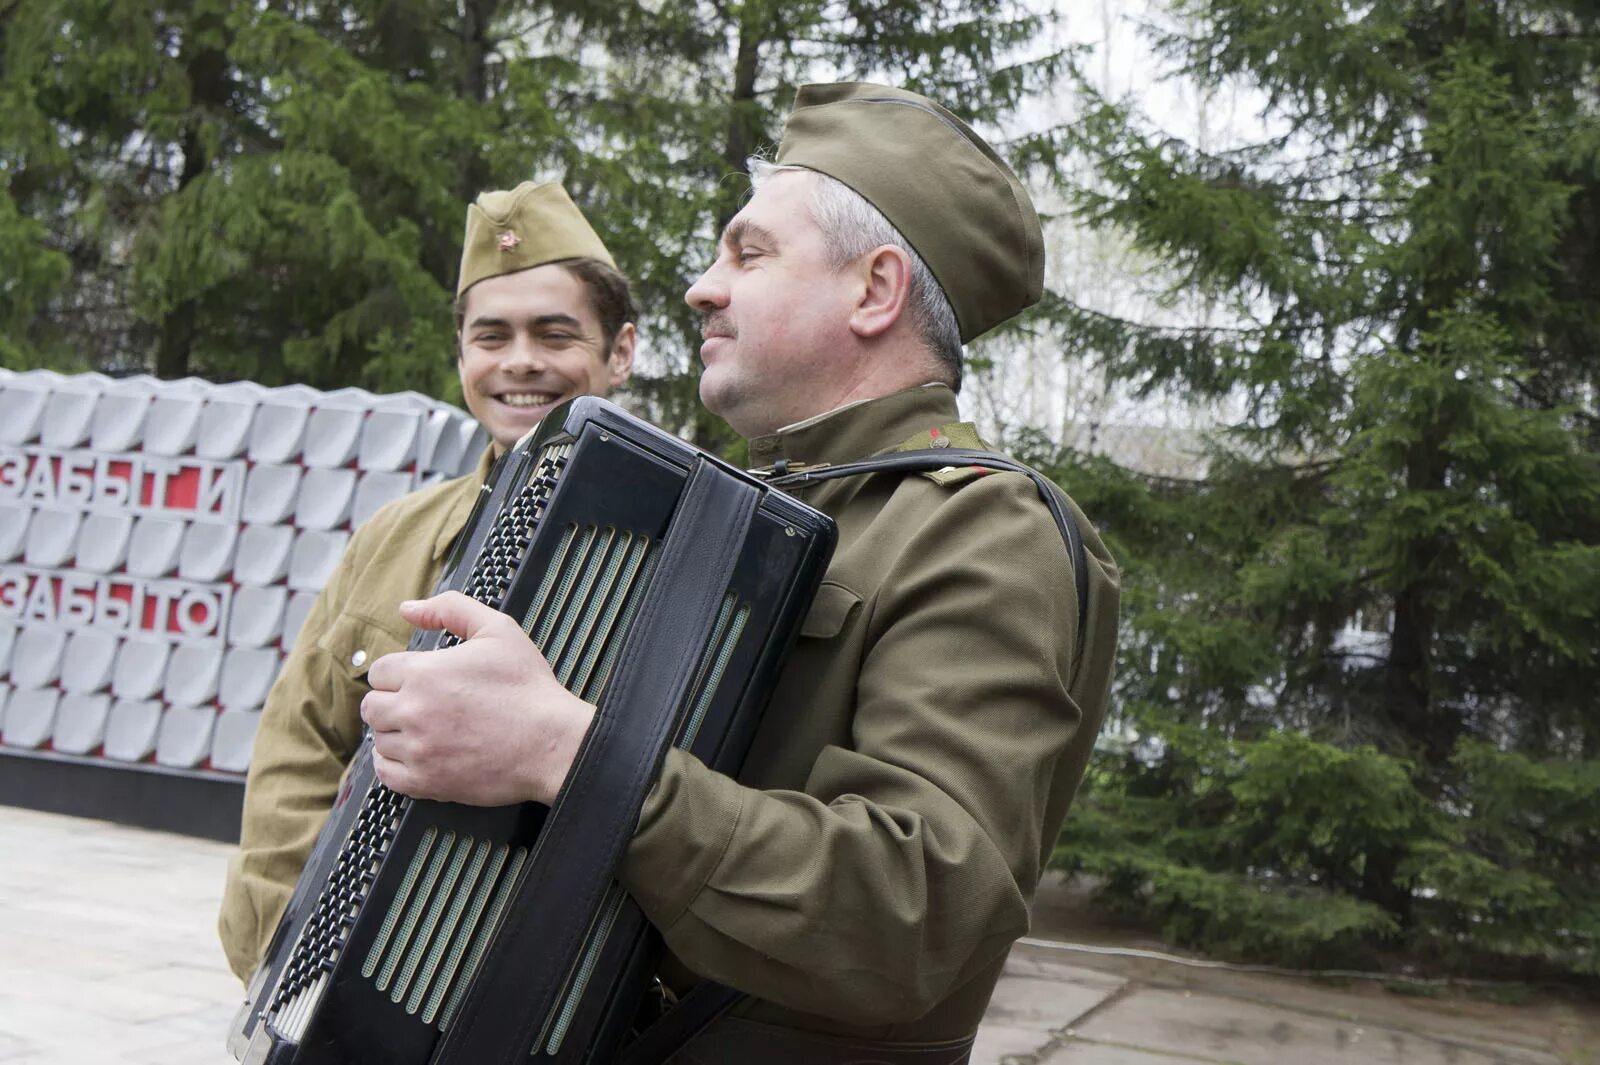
(869, 873)
(311, 724)
(877, 858)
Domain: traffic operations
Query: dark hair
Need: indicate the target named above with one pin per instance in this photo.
(609, 297)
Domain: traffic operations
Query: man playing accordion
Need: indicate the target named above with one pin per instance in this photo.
(864, 877)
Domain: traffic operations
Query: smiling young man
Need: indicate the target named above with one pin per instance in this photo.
(542, 315)
(864, 877)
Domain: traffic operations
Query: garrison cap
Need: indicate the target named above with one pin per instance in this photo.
(937, 182)
(529, 226)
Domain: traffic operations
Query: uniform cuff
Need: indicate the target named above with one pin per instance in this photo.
(685, 826)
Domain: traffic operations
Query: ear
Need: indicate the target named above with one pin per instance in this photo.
(886, 290)
(620, 362)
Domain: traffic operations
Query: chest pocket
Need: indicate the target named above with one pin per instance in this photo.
(829, 612)
(355, 642)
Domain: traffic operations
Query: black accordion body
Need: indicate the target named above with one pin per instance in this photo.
(665, 587)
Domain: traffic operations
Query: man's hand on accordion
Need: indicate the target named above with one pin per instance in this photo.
(484, 722)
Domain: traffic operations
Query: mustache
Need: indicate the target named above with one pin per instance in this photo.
(716, 323)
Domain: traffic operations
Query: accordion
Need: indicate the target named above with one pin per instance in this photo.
(665, 587)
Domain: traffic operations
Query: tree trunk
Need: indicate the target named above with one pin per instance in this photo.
(476, 46)
(708, 431)
(206, 68)
(741, 106)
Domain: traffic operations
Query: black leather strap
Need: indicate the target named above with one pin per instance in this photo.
(706, 1002)
(593, 818)
(939, 458)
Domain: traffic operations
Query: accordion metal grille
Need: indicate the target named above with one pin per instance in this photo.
(725, 633)
(586, 604)
(356, 867)
(440, 922)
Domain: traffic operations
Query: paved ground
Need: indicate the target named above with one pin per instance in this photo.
(107, 954)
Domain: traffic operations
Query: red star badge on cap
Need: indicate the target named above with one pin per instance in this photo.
(508, 241)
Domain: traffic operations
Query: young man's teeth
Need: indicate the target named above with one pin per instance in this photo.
(524, 399)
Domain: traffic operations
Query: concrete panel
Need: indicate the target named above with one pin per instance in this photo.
(294, 616)
(131, 729)
(30, 717)
(52, 537)
(207, 551)
(141, 668)
(270, 492)
(233, 739)
(279, 430)
(257, 617)
(315, 554)
(192, 674)
(225, 421)
(14, 519)
(183, 740)
(119, 420)
(22, 404)
(325, 497)
(333, 433)
(88, 661)
(247, 674)
(70, 412)
(36, 656)
(154, 546)
(103, 542)
(263, 554)
(376, 489)
(81, 723)
(173, 423)
(439, 445)
(389, 439)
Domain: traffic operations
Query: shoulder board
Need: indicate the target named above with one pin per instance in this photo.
(954, 434)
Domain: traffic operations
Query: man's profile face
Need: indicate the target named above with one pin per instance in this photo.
(775, 313)
(529, 341)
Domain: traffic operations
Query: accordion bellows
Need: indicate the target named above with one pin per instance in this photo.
(665, 587)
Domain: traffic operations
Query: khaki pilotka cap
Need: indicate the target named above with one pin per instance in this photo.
(937, 182)
(529, 226)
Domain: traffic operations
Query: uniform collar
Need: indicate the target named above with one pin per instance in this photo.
(455, 519)
(857, 430)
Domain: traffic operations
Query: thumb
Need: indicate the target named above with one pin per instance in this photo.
(453, 612)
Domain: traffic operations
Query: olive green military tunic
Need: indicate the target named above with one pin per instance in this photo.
(311, 724)
(918, 758)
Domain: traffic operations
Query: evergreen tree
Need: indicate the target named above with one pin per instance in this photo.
(1361, 656)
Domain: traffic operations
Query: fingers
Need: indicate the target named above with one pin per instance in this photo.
(391, 746)
(453, 612)
(390, 671)
(382, 712)
(395, 774)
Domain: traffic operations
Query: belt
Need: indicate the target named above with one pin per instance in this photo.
(737, 1041)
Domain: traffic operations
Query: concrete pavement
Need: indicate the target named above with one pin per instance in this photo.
(108, 954)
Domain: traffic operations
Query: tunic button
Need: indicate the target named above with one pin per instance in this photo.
(358, 659)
